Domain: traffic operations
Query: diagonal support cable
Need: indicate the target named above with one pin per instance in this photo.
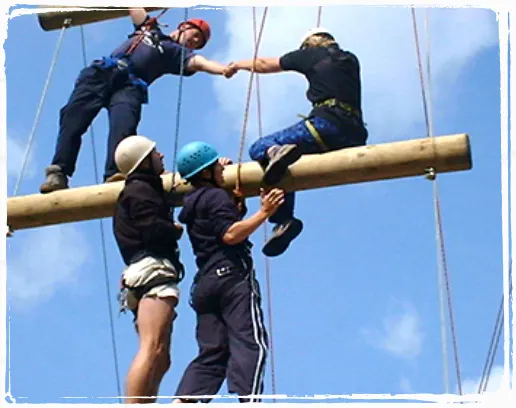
(66, 24)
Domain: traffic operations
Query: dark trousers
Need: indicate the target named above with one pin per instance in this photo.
(354, 134)
(230, 333)
(95, 89)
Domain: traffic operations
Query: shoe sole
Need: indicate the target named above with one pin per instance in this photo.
(277, 170)
(47, 190)
(277, 245)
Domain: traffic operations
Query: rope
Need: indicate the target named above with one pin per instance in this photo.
(429, 127)
(493, 346)
(103, 240)
(319, 14)
(437, 210)
(246, 112)
(178, 111)
(66, 24)
(265, 235)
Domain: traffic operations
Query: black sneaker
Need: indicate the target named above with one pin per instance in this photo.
(56, 180)
(282, 235)
(280, 158)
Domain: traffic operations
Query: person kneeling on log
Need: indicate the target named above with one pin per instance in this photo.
(147, 239)
(225, 293)
(120, 84)
(334, 123)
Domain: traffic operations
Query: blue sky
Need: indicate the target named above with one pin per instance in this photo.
(357, 293)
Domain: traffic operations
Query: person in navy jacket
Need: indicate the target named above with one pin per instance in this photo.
(147, 238)
(119, 82)
(225, 294)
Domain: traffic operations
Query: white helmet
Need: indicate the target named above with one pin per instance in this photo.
(314, 31)
(131, 151)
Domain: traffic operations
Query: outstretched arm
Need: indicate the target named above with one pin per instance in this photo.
(261, 65)
(199, 63)
(241, 230)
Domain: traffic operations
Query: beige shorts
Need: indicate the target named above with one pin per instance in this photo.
(144, 272)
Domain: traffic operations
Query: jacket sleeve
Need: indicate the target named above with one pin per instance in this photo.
(146, 217)
(222, 211)
(299, 60)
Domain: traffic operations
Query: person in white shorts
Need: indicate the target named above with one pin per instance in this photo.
(147, 237)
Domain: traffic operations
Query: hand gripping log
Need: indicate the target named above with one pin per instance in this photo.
(54, 20)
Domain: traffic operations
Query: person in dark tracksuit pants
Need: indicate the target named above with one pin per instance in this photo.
(147, 239)
(334, 123)
(120, 84)
(225, 294)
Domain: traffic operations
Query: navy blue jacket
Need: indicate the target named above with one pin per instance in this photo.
(208, 212)
(142, 223)
(153, 60)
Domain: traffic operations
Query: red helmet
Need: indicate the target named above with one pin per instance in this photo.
(202, 25)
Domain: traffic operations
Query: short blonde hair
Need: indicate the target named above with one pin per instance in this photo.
(318, 40)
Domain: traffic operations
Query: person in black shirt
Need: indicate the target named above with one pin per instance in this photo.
(147, 239)
(225, 293)
(120, 83)
(334, 123)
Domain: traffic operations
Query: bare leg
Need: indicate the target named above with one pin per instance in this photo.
(161, 367)
(155, 318)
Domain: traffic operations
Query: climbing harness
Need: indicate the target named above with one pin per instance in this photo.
(122, 64)
(316, 135)
(335, 103)
(123, 72)
(328, 103)
(145, 32)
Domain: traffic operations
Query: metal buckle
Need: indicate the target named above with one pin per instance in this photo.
(223, 271)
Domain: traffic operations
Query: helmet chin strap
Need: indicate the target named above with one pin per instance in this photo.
(211, 180)
(151, 165)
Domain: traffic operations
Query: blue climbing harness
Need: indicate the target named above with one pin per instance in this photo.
(123, 71)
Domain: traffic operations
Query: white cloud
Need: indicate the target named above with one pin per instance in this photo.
(15, 154)
(42, 262)
(470, 386)
(382, 38)
(401, 333)
(406, 386)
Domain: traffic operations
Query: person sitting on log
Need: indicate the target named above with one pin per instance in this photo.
(120, 84)
(147, 238)
(225, 294)
(335, 121)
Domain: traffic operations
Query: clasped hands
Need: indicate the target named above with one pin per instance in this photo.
(230, 70)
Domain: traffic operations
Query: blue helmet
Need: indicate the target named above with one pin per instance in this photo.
(194, 158)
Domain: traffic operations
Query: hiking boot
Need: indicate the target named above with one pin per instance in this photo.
(282, 235)
(56, 180)
(280, 158)
(115, 177)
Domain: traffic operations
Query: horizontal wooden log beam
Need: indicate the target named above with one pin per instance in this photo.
(347, 166)
(54, 20)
